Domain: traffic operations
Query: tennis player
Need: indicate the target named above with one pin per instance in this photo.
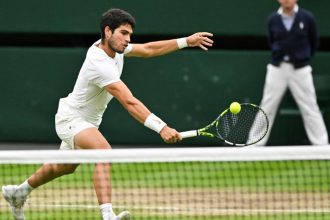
(80, 113)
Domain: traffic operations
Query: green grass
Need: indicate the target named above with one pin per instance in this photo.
(267, 177)
(285, 176)
(288, 176)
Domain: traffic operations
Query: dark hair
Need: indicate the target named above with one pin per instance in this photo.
(114, 18)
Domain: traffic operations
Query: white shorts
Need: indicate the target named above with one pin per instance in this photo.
(67, 127)
(69, 123)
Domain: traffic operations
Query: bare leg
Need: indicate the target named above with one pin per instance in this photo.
(102, 183)
(16, 195)
(91, 138)
(49, 172)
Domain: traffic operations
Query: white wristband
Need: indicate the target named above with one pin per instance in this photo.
(182, 42)
(154, 123)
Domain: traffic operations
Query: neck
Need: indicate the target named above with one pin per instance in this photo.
(288, 10)
(107, 50)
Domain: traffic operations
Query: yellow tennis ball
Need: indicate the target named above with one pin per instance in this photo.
(235, 108)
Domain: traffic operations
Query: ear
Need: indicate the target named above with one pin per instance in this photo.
(107, 32)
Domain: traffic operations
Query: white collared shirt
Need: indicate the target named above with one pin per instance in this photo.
(288, 22)
(286, 19)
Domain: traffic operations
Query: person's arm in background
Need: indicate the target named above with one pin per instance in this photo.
(313, 36)
(158, 48)
(269, 32)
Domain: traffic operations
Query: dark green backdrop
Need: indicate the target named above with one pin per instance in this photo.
(235, 17)
(187, 89)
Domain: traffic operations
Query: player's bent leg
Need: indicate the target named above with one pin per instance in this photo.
(91, 138)
(48, 172)
(16, 200)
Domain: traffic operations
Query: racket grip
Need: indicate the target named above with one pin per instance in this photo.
(188, 134)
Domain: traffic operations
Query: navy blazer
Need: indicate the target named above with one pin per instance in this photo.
(299, 43)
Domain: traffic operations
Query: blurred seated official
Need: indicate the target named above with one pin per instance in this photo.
(293, 38)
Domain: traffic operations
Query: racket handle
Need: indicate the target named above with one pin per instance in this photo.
(188, 134)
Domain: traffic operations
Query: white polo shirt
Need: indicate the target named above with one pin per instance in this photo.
(89, 98)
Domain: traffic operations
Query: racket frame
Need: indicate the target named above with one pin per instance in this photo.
(204, 133)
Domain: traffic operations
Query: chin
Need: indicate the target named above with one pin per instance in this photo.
(120, 51)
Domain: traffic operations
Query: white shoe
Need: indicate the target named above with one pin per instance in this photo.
(125, 215)
(15, 200)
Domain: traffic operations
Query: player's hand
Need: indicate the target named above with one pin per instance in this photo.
(200, 39)
(170, 135)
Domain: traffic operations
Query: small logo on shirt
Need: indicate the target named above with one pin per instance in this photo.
(301, 25)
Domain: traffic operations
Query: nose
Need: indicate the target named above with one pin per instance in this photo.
(128, 38)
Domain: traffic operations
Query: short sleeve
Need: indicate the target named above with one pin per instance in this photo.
(101, 69)
(105, 73)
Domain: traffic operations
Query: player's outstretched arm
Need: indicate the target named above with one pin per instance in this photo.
(200, 39)
(141, 113)
(158, 48)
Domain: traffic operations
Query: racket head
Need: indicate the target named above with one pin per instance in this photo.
(245, 128)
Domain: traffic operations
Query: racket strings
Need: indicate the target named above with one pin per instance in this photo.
(259, 127)
(247, 127)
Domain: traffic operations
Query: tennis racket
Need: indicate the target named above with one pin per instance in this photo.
(245, 128)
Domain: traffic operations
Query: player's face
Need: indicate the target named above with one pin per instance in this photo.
(120, 38)
(287, 4)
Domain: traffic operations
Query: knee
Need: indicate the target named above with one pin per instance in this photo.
(67, 168)
(70, 169)
(104, 145)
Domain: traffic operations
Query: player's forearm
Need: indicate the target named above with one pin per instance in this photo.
(141, 113)
(158, 48)
(137, 109)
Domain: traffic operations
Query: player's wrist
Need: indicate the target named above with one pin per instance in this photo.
(154, 123)
(182, 42)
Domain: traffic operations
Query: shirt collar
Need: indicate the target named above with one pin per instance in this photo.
(295, 10)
